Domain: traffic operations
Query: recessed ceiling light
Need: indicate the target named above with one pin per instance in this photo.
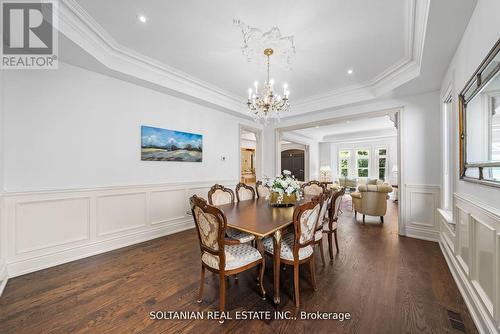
(317, 126)
(349, 71)
(142, 18)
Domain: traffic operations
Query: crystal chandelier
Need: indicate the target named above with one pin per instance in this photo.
(267, 103)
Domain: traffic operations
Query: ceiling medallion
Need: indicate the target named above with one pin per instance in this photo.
(255, 41)
(265, 104)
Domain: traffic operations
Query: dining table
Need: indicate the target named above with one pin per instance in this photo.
(262, 220)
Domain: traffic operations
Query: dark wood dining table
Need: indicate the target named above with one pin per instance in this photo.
(259, 218)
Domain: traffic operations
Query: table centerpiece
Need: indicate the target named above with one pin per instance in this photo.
(284, 189)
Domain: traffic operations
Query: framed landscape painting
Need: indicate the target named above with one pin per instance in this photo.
(168, 145)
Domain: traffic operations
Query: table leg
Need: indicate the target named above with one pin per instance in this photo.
(260, 247)
(277, 264)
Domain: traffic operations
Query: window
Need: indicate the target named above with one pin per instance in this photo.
(362, 162)
(344, 163)
(382, 163)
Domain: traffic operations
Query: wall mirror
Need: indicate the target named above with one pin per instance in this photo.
(479, 121)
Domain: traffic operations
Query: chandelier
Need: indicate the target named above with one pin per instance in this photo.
(267, 104)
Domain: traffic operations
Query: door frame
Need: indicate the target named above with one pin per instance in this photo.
(258, 150)
(400, 116)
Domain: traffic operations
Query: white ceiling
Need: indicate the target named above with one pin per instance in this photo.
(192, 48)
(347, 128)
(198, 37)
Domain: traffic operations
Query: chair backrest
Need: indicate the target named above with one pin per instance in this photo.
(374, 198)
(335, 204)
(305, 219)
(210, 225)
(244, 192)
(219, 195)
(313, 188)
(325, 204)
(262, 190)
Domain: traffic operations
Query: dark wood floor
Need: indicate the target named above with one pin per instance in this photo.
(389, 284)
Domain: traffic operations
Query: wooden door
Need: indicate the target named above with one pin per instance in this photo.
(293, 160)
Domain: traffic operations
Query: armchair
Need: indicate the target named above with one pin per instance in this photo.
(371, 200)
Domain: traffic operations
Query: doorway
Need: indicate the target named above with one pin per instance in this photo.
(294, 161)
(250, 155)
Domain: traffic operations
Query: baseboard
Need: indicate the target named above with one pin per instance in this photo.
(3, 276)
(75, 253)
(422, 234)
(484, 323)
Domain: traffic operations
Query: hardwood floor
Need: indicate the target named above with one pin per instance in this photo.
(389, 284)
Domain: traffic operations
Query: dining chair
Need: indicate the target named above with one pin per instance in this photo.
(244, 192)
(220, 195)
(219, 255)
(297, 247)
(262, 190)
(313, 188)
(323, 216)
(330, 227)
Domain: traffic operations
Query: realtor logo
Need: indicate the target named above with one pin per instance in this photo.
(29, 34)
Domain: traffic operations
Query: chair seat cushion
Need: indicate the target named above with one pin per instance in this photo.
(327, 228)
(287, 247)
(237, 256)
(242, 237)
(318, 235)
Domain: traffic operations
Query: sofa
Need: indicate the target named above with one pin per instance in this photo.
(371, 199)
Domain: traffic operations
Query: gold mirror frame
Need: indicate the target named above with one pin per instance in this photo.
(474, 86)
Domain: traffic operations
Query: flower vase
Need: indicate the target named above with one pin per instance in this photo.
(288, 200)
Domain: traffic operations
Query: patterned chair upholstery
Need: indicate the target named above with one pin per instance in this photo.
(313, 188)
(297, 247)
(220, 195)
(262, 190)
(318, 235)
(223, 256)
(244, 192)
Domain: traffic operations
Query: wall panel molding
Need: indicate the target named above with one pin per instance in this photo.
(48, 228)
(473, 257)
(421, 215)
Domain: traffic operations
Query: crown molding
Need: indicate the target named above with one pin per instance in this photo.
(76, 24)
(397, 74)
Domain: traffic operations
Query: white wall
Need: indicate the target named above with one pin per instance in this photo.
(421, 135)
(479, 37)
(73, 128)
(3, 270)
(421, 156)
(471, 244)
(73, 182)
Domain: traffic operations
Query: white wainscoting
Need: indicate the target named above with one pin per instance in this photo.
(44, 229)
(472, 251)
(3, 276)
(420, 204)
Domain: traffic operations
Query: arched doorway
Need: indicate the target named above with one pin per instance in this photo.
(293, 160)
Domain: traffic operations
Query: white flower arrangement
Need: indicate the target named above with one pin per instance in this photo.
(284, 184)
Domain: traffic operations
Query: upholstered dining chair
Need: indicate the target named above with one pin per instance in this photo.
(244, 192)
(318, 235)
(262, 190)
(330, 226)
(297, 247)
(220, 195)
(312, 188)
(222, 256)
